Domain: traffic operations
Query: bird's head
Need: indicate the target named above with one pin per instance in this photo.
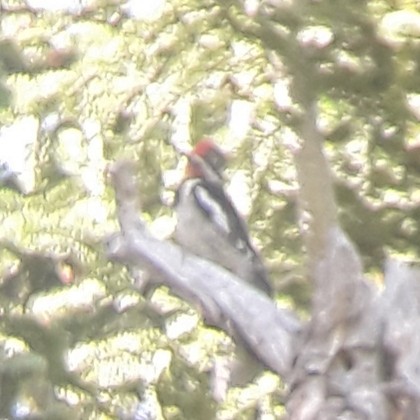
(206, 161)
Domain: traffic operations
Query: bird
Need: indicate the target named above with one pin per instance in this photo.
(208, 224)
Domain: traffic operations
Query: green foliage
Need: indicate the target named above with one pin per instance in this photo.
(102, 85)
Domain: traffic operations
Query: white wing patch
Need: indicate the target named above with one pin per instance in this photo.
(213, 208)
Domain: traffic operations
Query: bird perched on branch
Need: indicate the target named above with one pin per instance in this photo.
(208, 224)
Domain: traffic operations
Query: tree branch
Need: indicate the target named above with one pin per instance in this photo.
(226, 301)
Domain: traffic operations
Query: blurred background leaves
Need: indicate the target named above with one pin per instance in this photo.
(85, 83)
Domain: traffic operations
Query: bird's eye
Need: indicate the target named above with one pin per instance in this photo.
(216, 160)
